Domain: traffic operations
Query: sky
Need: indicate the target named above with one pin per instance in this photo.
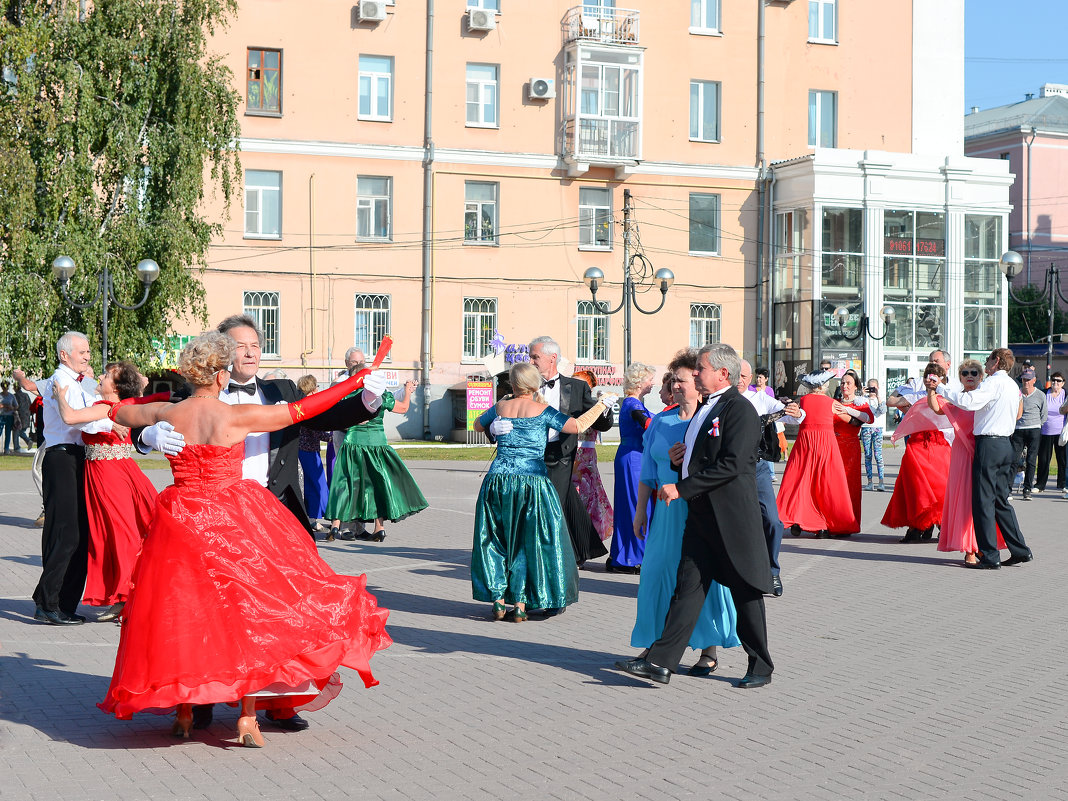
(1012, 48)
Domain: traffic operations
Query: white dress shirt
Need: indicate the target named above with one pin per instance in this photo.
(765, 404)
(694, 428)
(56, 432)
(995, 402)
(552, 397)
(258, 444)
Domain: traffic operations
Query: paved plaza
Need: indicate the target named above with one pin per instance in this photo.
(899, 675)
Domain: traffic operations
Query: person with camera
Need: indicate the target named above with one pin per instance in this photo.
(871, 435)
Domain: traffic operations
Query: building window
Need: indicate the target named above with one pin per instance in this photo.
(374, 201)
(823, 20)
(841, 275)
(488, 5)
(480, 212)
(482, 96)
(595, 218)
(264, 88)
(591, 338)
(372, 322)
(704, 324)
(263, 308)
(982, 284)
(704, 223)
(480, 322)
(822, 119)
(376, 88)
(914, 278)
(704, 111)
(263, 204)
(704, 16)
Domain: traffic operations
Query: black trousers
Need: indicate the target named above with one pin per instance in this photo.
(65, 538)
(1048, 448)
(992, 473)
(1025, 441)
(695, 576)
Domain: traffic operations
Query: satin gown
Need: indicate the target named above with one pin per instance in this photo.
(522, 550)
(717, 622)
(627, 550)
(920, 489)
(230, 597)
(848, 438)
(587, 480)
(120, 501)
(814, 493)
(370, 481)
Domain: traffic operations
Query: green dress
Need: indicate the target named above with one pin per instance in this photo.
(370, 481)
(522, 550)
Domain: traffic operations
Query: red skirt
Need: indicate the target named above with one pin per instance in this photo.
(920, 490)
(814, 493)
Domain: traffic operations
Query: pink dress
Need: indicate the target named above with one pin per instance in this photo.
(587, 480)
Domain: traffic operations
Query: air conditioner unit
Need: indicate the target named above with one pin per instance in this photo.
(371, 10)
(541, 89)
(481, 19)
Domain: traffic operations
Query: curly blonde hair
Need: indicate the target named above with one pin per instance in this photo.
(205, 356)
(524, 377)
(308, 384)
(637, 373)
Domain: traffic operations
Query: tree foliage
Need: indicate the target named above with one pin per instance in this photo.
(116, 123)
(1031, 323)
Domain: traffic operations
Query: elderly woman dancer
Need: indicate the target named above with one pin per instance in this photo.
(627, 550)
(663, 537)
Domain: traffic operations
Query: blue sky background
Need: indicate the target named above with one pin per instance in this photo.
(1012, 48)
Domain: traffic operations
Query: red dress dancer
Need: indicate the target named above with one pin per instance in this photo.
(920, 489)
(120, 501)
(231, 598)
(848, 436)
(814, 494)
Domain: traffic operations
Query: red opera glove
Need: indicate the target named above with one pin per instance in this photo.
(158, 397)
(321, 401)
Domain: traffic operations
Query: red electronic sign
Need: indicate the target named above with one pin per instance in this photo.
(905, 246)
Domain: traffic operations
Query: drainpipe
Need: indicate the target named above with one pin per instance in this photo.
(771, 271)
(761, 184)
(428, 216)
(1029, 142)
(311, 269)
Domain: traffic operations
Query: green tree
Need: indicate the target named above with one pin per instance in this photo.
(1031, 323)
(116, 125)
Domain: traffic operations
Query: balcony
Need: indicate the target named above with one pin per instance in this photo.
(617, 26)
(600, 140)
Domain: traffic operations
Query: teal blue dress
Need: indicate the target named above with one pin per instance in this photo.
(663, 549)
(522, 550)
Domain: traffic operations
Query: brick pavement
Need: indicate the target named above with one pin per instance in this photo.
(899, 676)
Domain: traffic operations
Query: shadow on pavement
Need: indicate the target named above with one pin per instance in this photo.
(895, 556)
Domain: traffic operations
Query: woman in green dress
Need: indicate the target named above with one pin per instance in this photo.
(370, 482)
(522, 551)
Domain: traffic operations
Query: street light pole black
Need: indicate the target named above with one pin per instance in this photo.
(1011, 264)
(841, 315)
(63, 267)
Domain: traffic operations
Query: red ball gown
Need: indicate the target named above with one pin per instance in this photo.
(120, 500)
(814, 493)
(920, 489)
(848, 437)
(230, 598)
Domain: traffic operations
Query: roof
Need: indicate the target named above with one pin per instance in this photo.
(1045, 113)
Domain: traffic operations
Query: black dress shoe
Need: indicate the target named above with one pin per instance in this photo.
(203, 714)
(74, 616)
(982, 564)
(1018, 560)
(56, 618)
(776, 586)
(645, 670)
(912, 535)
(751, 682)
(346, 536)
(294, 723)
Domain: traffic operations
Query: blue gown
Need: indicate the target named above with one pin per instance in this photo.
(627, 549)
(663, 549)
(522, 550)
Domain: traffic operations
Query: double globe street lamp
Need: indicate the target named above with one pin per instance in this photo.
(1012, 264)
(594, 277)
(842, 314)
(64, 267)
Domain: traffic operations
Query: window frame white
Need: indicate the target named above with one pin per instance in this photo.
(482, 87)
(591, 332)
(374, 318)
(701, 87)
(368, 203)
(485, 5)
(701, 7)
(258, 191)
(817, 99)
(478, 207)
(715, 227)
(592, 215)
(824, 10)
(701, 325)
(475, 316)
(374, 78)
(256, 304)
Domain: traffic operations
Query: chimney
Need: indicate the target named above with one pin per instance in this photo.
(1029, 96)
(975, 109)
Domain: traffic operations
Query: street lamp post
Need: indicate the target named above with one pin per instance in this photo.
(594, 277)
(841, 316)
(1012, 264)
(63, 268)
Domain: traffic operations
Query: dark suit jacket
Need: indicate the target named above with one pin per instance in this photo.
(722, 494)
(575, 399)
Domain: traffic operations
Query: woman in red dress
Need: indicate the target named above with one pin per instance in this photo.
(119, 497)
(920, 489)
(814, 494)
(230, 601)
(850, 414)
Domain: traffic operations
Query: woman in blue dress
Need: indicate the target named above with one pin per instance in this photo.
(627, 550)
(663, 538)
(522, 552)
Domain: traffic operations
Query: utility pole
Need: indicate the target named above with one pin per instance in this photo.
(628, 287)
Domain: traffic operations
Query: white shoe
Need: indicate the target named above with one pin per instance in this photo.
(1066, 495)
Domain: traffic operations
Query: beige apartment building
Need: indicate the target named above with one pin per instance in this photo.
(447, 172)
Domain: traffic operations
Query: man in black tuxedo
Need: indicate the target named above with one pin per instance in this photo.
(573, 398)
(724, 538)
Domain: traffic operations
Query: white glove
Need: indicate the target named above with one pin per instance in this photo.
(500, 426)
(609, 401)
(373, 387)
(162, 437)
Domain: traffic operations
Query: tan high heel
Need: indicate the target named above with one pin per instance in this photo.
(248, 732)
(183, 722)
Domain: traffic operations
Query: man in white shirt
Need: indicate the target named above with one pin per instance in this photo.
(996, 403)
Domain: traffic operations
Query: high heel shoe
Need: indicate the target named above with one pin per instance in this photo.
(499, 610)
(378, 536)
(516, 615)
(334, 531)
(248, 732)
(183, 722)
(703, 670)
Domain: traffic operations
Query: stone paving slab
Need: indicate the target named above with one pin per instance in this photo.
(899, 675)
